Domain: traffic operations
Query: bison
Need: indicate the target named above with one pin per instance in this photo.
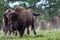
(23, 19)
(5, 21)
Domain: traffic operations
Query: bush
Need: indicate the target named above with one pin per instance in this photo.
(3, 7)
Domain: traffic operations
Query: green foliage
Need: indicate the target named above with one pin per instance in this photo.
(3, 7)
(48, 12)
(52, 1)
(53, 9)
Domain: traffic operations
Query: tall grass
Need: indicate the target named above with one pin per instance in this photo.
(41, 35)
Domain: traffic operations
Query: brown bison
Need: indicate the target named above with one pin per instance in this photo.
(12, 17)
(12, 22)
(5, 21)
(30, 18)
(23, 18)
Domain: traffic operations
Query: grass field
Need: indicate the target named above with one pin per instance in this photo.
(41, 35)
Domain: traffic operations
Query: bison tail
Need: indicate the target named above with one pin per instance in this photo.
(36, 14)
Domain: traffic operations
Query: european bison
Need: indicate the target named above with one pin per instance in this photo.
(5, 21)
(23, 19)
(30, 18)
(12, 16)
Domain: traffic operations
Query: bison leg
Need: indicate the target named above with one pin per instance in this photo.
(15, 33)
(9, 32)
(21, 32)
(10, 29)
(28, 30)
(6, 29)
(33, 29)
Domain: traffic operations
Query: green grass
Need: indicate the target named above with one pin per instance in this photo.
(41, 35)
